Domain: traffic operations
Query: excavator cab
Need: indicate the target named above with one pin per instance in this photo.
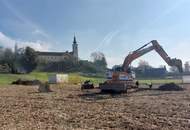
(117, 73)
(119, 68)
(118, 81)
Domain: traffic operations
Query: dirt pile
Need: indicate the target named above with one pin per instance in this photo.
(170, 87)
(26, 82)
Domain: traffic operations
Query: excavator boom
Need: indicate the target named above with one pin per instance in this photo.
(170, 61)
(155, 46)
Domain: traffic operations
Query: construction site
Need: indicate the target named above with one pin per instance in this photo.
(70, 108)
(120, 102)
(94, 64)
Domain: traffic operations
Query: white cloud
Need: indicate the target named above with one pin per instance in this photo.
(7, 41)
(37, 45)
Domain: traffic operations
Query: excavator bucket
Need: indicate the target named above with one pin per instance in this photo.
(177, 63)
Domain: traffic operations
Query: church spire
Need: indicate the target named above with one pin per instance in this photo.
(74, 40)
(75, 48)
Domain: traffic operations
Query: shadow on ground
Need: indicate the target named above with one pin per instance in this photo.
(98, 95)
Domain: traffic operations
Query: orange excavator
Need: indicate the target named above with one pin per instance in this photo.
(120, 79)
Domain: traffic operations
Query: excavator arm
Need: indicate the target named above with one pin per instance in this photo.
(170, 61)
(144, 49)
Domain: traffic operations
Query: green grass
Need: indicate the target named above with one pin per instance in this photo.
(9, 78)
(160, 81)
(74, 78)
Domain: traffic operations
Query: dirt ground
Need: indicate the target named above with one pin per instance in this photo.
(22, 107)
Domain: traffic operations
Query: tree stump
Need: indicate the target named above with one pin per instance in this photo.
(44, 88)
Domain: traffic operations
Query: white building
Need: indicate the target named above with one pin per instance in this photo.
(187, 67)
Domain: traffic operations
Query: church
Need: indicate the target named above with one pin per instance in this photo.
(59, 56)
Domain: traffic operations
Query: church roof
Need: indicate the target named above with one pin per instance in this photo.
(54, 53)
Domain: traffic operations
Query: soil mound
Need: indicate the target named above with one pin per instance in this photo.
(26, 82)
(170, 87)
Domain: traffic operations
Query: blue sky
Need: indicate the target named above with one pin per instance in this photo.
(114, 27)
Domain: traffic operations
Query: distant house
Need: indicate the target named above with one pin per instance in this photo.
(156, 72)
(59, 56)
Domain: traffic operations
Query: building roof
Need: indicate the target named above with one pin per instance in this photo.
(54, 53)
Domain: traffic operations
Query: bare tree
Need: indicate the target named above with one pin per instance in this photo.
(143, 63)
(99, 59)
(97, 56)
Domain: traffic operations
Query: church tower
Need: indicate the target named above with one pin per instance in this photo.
(75, 48)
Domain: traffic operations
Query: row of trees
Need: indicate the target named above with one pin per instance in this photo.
(23, 62)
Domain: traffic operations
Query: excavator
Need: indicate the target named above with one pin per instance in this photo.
(120, 79)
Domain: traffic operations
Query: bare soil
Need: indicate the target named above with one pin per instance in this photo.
(22, 107)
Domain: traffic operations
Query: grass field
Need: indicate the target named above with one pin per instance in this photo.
(160, 81)
(8, 78)
(74, 78)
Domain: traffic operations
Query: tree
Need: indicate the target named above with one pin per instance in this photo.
(87, 67)
(29, 59)
(8, 58)
(99, 59)
(1, 53)
(143, 65)
(97, 56)
(21, 62)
